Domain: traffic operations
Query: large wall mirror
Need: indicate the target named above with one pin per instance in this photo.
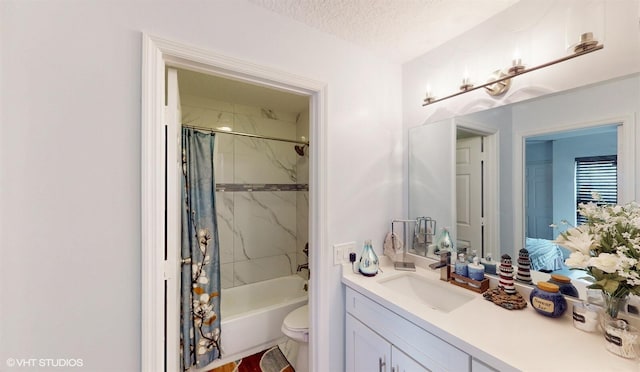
(527, 154)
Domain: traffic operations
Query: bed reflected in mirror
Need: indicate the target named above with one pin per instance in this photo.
(562, 170)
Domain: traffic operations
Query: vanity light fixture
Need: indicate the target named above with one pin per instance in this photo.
(500, 81)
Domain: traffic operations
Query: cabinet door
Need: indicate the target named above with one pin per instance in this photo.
(366, 350)
(401, 362)
(478, 366)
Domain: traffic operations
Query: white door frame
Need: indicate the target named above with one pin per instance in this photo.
(157, 54)
(491, 183)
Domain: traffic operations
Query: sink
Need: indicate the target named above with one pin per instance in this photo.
(432, 292)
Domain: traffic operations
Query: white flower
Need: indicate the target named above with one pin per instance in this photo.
(202, 233)
(577, 260)
(216, 334)
(577, 239)
(606, 262)
(204, 298)
(607, 245)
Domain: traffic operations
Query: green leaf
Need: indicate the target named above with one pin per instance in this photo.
(587, 279)
(610, 286)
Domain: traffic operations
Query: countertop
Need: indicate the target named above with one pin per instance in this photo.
(505, 339)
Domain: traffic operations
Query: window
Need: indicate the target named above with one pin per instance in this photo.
(596, 174)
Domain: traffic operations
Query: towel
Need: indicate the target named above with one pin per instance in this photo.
(423, 237)
(393, 247)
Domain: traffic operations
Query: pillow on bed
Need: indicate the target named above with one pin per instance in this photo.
(545, 254)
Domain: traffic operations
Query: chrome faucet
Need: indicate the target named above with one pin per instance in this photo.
(305, 265)
(444, 265)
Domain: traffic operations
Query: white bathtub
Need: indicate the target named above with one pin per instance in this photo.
(252, 315)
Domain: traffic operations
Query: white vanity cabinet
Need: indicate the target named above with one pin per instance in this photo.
(401, 362)
(367, 351)
(378, 339)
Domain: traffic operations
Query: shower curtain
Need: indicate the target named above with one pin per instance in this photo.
(200, 284)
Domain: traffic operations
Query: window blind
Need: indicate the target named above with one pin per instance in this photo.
(596, 174)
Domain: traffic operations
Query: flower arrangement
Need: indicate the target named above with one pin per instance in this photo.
(607, 246)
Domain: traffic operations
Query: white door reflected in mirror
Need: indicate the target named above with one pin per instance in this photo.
(469, 195)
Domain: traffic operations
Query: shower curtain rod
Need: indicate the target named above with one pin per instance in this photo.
(245, 134)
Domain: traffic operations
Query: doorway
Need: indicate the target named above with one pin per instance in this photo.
(258, 160)
(159, 147)
(477, 189)
(469, 193)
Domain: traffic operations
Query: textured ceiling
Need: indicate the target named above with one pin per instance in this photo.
(396, 29)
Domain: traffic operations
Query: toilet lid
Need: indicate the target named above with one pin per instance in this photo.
(298, 318)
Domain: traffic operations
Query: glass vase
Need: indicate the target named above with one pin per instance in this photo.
(444, 242)
(369, 263)
(614, 306)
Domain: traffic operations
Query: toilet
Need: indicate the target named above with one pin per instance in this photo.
(296, 327)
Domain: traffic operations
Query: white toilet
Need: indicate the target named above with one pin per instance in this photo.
(296, 327)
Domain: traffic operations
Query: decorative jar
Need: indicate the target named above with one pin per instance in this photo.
(566, 287)
(621, 338)
(547, 300)
(585, 316)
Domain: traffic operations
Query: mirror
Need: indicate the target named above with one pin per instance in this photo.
(504, 133)
(563, 169)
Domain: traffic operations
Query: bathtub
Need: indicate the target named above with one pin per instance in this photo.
(252, 315)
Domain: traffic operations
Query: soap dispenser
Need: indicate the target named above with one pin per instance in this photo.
(461, 267)
(369, 263)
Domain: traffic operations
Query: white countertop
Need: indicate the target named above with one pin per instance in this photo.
(506, 339)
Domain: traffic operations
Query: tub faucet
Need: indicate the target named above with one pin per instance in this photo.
(443, 265)
(304, 266)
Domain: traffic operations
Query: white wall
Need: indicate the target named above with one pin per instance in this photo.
(537, 29)
(70, 160)
(565, 152)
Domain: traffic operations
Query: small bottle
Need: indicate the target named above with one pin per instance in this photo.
(473, 255)
(564, 282)
(547, 300)
(461, 267)
(369, 263)
(489, 265)
(476, 270)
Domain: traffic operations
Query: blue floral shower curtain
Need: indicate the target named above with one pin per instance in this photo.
(200, 285)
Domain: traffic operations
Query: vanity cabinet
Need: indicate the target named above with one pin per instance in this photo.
(478, 366)
(401, 362)
(368, 351)
(377, 339)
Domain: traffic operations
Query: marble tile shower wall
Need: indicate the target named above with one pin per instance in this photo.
(262, 233)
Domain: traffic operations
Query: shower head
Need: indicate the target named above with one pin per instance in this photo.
(300, 149)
